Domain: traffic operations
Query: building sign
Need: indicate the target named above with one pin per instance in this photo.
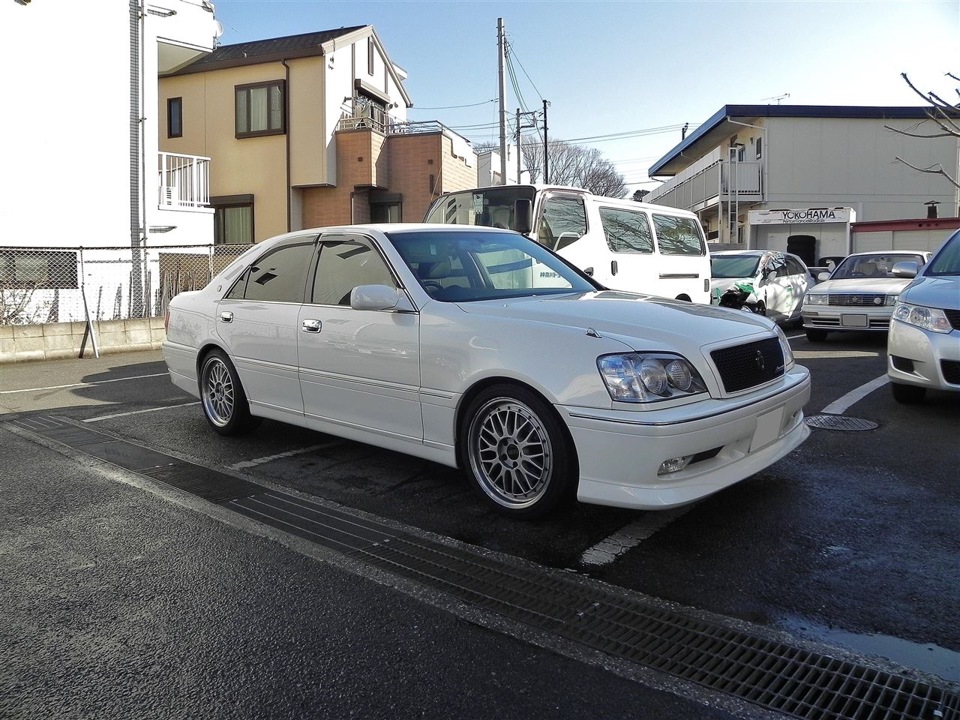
(801, 216)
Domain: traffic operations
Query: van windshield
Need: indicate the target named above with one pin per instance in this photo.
(489, 207)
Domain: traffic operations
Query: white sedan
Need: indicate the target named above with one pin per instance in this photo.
(478, 348)
(860, 293)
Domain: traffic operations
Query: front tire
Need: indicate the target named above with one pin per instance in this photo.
(222, 397)
(816, 335)
(517, 452)
(908, 394)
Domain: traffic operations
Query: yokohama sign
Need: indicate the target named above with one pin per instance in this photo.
(800, 216)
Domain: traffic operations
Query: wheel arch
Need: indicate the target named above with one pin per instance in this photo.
(466, 400)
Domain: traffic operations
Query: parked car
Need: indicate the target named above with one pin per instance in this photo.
(479, 348)
(778, 280)
(860, 293)
(923, 345)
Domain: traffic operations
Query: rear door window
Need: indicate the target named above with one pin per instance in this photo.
(627, 231)
(678, 235)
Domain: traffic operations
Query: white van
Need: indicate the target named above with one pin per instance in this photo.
(623, 244)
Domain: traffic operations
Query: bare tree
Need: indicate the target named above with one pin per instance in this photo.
(576, 166)
(946, 119)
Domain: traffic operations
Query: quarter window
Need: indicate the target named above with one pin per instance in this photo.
(678, 235)
(260, 109)
(627, 231)
(345, 263)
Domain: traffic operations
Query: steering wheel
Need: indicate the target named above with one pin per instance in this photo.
(431, 286)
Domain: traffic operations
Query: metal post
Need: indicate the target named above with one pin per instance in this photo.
(546, 164)
(501, 52)
(89, 330)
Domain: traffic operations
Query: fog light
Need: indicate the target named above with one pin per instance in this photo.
(674, 465)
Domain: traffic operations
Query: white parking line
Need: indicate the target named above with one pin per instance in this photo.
(839, 406)
(89, 384)
(279, 456)
(627, 538)
(138, 412)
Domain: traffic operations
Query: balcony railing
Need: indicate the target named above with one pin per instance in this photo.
(710, 180)
(184, 181)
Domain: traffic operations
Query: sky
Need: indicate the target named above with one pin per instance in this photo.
(623, 76)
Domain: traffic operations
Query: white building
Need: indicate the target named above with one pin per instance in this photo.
(80, 137)
(798, 178)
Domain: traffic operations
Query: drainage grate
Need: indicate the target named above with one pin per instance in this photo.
(771, 674)
(840, 422)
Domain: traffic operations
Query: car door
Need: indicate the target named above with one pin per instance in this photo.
(777, 291)
(358, 368)
(257, 323)
(799, 278)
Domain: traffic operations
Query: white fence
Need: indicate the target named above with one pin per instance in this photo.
(55, 285)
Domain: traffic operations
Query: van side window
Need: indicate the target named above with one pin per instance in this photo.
(627, 231)
(564, 221)
(678, 235)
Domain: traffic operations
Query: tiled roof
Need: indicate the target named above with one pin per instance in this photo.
(259, 51)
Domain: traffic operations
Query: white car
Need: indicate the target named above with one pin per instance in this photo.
(923, 346)
(479, 348)
(860, 293)
(778, 280)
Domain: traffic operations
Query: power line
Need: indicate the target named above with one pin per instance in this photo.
(456, 107)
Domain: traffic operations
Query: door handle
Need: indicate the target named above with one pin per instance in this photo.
(226, 316)
(311, 326)
(613, 267)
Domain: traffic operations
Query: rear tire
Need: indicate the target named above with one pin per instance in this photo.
(816, 335)
(908, 394)
(222, 397)
(517, 452)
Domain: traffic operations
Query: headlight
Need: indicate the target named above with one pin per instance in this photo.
(788, 360)
(816, 299)
(891, 300)
(649, 377)
(932, 319)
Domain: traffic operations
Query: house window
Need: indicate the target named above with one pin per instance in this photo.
(370, 56)
(175, 117)
(232, 219)
(260, 109)
(759, 148)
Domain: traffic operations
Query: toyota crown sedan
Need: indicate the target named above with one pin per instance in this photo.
(860, 293)
(478, 348)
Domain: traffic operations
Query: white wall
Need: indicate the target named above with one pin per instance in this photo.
(833, 162)
(65, 124)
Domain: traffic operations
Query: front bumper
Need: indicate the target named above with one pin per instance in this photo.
(832, 317)
(926, 359)
(620, 453)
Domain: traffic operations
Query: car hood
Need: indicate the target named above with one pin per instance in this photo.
(637, 320)
(937, 292)
(724, 283)
(861, 285)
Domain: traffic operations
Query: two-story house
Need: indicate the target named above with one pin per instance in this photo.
(308, 130)
(797, 177)
(81, 157)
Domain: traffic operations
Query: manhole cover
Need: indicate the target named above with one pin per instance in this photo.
(840, 422)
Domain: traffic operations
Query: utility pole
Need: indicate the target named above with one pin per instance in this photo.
(501, 53)
(546, 155)
(519, 128)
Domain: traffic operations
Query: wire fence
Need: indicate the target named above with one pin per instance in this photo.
(51, 285)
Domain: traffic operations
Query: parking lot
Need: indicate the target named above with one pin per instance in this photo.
(851, 541)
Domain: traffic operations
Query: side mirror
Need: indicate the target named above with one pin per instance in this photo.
(823, 276)
(523, 216)
(907, 269)
(380, 298)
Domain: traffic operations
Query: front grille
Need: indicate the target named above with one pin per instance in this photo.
(951, 371)
(746, 366)
(954, 317)
(857, 300)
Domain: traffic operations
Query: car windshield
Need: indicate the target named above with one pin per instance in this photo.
(468, 266)
(947, 259)
(734, 266)
(872, 266)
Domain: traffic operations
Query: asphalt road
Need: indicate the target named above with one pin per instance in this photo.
(851, 541)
